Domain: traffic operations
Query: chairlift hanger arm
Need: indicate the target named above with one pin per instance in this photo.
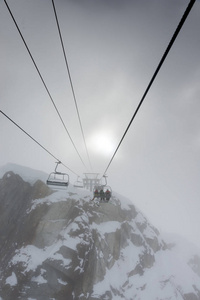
(57, 163)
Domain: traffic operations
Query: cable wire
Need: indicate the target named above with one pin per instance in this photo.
(70, 79)
(184, 17)
(40, 75)
(35, 141)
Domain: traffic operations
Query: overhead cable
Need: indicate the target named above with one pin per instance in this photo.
(36, 141)
(40, 75)
(70, 79)
(184, 17)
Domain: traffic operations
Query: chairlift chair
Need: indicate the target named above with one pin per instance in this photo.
(58, 179)
(78, 183)
(106, 190)
(106, 187)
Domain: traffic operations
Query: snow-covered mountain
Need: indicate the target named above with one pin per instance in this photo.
(61, 245)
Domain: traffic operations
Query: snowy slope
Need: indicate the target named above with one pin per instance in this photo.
(79, 250)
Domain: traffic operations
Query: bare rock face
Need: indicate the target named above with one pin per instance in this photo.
(15, 198)
(195, 264)
(63, 246)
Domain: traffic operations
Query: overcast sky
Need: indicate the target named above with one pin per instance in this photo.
(113, 48)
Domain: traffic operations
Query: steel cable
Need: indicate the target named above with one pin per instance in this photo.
(36, 141)
(40, 75)
(71, 83)
(184, 17)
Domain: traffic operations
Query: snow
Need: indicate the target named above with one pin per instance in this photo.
(175, 264)
(61, 195)
(71, 242)
(12, 280)
(62, 282)
(140, 219)
(32, 257)
(39, 279)
(170, 275)
(118, 274)
(106, 227)
(149, 233)
(164, 279)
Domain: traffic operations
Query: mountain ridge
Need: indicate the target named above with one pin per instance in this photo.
(27, 174)
(64, 245)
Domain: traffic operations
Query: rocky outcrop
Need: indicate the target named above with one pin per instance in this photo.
(63, 246)
(15, 198)
(194, 262)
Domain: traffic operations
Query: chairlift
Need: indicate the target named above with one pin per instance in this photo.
(58, 179)
(103, 191)
(78, 183)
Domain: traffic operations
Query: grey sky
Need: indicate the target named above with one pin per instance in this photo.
(113, 48)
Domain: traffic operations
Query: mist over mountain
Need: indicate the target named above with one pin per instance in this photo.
(61, 245)
(28, 174)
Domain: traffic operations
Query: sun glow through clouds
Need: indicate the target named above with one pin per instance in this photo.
(102, 142)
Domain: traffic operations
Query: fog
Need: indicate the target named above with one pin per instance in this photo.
(113, 48)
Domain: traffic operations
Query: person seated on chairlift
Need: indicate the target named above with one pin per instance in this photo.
(102, 194)
(96, 193)
(108, 195)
